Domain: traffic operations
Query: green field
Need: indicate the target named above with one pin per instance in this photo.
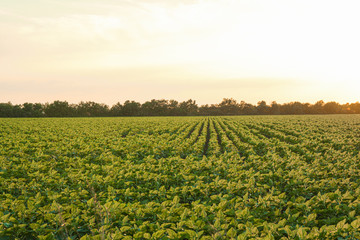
(246, 177)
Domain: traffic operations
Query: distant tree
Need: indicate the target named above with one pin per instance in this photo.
(173, 108)
(18, 111)
(92, 109)
(293, 108)
(247, 108)
(32, 110)
(155, 108)
(131, 108)
(38, 110)
(306, 107)
(332, 108)
(275, 108)
(209, 110)
(162, 107)
(345, 108)
(189, 108)
(27, 109)
(229, 106)
(148, 108)
(355, 107)
(317, 108)
(6, 110)
(116, 110)
(59, 109)
(262, 108)
(82, 110)
(204, 110)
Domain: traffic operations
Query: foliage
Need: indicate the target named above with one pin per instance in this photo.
(164, 107)
(247, 177)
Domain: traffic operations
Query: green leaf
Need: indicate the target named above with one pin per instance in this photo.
(147, 235)
(192, 234)
(217, 223)
(231, 233)
(171, 233)
(341, 224)
(8, 225)
(49, 236)
(356, 224)
(85, 237)
(311, 217)
(176, 200)
(125, 228)
(158, 234)
(301, 233)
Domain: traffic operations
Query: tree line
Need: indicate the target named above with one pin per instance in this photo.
(163, 107)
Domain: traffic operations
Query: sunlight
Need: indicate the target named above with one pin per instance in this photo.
(185, 41)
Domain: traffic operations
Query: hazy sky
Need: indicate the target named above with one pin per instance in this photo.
(113, 50)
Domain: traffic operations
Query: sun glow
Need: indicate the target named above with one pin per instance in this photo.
(196, 43)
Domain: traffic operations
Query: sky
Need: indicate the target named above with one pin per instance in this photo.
(109, 51)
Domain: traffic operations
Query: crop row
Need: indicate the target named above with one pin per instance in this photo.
(272, 177)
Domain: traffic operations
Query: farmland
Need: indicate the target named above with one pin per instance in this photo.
(243, 177)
